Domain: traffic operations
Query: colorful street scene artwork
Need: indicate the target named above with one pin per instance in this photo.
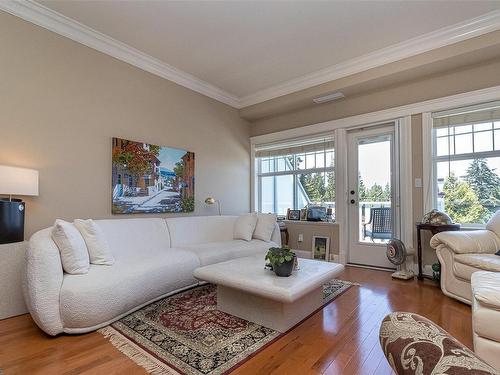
(151, 179)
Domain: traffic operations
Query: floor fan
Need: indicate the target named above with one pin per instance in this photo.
(397, 254)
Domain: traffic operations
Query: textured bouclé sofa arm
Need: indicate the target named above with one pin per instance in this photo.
(413, 344)
(42, 282)
(468, 242)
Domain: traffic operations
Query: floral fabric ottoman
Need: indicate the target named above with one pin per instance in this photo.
(414, 345)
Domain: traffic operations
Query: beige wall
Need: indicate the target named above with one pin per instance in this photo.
(478, 76)
(309, 229)
(61, 103)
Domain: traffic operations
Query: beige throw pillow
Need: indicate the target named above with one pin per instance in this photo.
(97, 245)
(265, 226)
(244, 227)
(74, 254)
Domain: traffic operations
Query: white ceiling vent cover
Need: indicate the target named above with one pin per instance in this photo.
(328, 97)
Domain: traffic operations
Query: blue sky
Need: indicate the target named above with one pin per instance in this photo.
(169, 156)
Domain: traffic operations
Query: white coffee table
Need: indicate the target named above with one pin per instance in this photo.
(247, 290)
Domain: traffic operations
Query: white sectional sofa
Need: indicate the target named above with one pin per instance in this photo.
(465, 252)
(153, 259)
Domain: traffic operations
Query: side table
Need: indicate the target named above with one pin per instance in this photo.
(12, 261)
(433, 228)
(284, 230)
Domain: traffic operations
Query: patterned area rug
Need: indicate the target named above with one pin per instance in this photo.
(186, 334)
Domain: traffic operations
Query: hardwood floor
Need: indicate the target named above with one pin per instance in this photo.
(340, 339)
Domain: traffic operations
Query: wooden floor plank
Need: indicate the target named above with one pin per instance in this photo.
(340, 339)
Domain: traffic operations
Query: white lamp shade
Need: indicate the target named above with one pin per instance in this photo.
(18, 181)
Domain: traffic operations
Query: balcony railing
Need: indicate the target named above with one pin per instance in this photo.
(364, 218)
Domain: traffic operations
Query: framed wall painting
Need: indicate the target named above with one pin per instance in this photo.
(321, 248)
(147, 178)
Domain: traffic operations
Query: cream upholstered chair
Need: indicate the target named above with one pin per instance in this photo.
(465, 252)
(486, 316)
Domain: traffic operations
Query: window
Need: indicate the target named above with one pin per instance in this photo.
(466, 144)
(295, 174)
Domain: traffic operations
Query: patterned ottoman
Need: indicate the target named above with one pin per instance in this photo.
(414, 345)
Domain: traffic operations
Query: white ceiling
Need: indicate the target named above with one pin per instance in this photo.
(245, 47)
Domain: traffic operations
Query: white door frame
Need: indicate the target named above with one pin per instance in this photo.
(356, 248)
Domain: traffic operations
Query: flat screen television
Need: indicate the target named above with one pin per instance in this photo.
(316, 213)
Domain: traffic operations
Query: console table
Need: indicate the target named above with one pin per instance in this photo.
(434, 229)
(11, 270)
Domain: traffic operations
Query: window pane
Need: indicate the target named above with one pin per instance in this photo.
(483, 126)
(497, 139)
(441, 132)
(281, 164)
(468, 189)
(316, 188)
(264, 165)
(310, 161)
(272, 165)
(300, 161)
(463, 129)
(329, 159)
(267, 195)
(483, 141)
(320, 160)
(442, 146)
(463, 144)
(284, 193)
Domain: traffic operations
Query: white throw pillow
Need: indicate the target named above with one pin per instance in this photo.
(244, 227)
(74, 254)
(265, 227)
(97, 245)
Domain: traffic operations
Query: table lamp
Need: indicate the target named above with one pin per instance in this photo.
(15, 181)
(211, 201)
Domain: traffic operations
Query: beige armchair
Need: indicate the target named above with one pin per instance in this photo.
(465, 252)
(486, 316)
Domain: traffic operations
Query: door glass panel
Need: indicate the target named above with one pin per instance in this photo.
(374, 189)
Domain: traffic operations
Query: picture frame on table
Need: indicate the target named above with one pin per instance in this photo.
(293, 215)
(303, 214)
(321, 248)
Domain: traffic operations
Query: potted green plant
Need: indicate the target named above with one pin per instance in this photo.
(282, 260)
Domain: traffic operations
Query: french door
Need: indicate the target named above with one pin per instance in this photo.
(372, 188)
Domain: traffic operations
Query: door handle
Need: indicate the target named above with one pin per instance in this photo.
(353, 201)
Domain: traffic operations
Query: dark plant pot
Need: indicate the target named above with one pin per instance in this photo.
(284, 269)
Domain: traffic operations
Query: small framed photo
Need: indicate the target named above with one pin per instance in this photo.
(321, 248)
(293, 214)
(303, 214)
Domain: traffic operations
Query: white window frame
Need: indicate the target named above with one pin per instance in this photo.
(430, 160)
(294, 173)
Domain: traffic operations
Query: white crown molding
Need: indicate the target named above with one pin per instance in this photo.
(40, 15)
(433, 105)
(440, 38)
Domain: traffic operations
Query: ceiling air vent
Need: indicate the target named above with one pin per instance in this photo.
(328, 97)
